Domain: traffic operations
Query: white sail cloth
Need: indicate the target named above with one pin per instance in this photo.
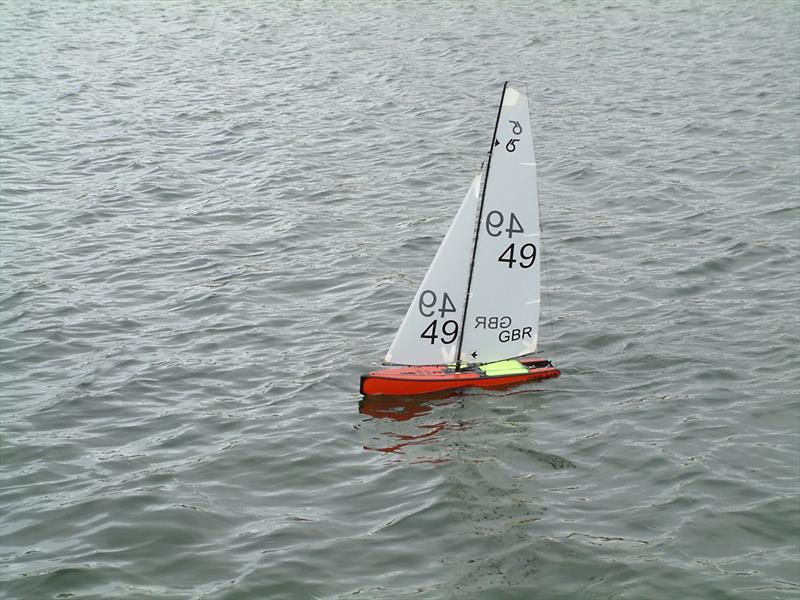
(503, 253)
(438, 307)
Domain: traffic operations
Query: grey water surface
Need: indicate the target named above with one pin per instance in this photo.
(214, 215)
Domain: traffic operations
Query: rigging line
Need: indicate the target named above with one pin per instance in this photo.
(553, 342)
(543, 264)
(477, 230)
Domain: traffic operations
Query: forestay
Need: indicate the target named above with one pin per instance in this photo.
(430, 331)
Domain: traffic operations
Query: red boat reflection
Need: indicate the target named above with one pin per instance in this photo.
(405, 408)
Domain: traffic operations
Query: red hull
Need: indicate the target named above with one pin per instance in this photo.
(410, 381)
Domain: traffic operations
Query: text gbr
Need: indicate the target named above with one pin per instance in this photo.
(503, 323)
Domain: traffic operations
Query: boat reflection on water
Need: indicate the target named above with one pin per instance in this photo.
(430, 428)
(404, 409)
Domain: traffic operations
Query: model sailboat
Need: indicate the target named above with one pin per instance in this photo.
(474, 321)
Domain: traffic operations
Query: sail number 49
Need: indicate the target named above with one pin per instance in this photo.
(447, 334)
(428, 306)
(511, 145)
(526, 255)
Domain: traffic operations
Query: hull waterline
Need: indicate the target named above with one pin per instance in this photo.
(415, 380)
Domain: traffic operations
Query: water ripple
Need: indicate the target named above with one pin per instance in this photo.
(214, 217)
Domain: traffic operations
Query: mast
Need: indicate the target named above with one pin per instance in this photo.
(477, 230)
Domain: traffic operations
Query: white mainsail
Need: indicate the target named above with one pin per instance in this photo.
(487, 264)
(430, 331)
(502, 318)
